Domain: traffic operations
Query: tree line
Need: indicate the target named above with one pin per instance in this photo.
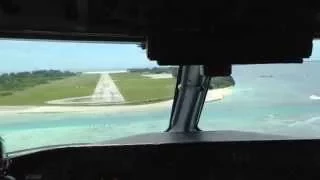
(154, 70)
(10, 82)
(215, 82)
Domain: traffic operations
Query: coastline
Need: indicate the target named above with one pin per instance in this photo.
(212, 95)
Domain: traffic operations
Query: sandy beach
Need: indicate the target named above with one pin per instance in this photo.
(213, 95)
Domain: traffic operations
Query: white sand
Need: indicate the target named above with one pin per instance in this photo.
(82, 109)
(218, 94)
(158, 76)
(213, 95)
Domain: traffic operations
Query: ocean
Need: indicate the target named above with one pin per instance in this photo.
(275, 99)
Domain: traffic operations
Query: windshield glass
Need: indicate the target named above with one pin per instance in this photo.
(55, 93)
(280, 99)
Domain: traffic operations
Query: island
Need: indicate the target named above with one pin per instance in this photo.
(100, 91)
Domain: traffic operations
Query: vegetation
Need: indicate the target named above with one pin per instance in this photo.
(74, 86)
(154, 70)
(136, 88)
(38, 87)
(221, 82)
(10, 82)
(175, 72)
(216, 82)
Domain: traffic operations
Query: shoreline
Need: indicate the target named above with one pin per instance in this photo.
(212, 95)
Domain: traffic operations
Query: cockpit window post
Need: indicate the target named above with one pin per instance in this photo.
(191, 91)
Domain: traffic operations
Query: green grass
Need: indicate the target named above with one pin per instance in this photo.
(137, 89)
(75, 86)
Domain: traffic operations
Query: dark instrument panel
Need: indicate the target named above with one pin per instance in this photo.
(289, 159)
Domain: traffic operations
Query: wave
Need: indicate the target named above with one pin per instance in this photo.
(311, 121)
(314, 97)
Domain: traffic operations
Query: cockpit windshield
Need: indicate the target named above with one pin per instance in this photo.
(54, 93)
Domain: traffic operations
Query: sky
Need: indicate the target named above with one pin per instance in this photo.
(27, 55)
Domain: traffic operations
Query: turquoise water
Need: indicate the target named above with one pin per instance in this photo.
(267, 98)
(271, 99)
(33, 130)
